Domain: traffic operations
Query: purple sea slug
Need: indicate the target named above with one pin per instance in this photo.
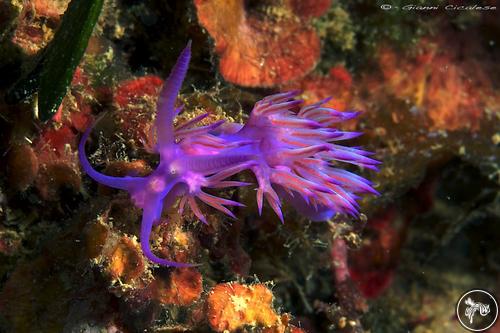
(293, 155)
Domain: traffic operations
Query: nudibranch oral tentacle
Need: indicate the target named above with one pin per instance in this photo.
(122, 183)
(290, 148)
(152, 213)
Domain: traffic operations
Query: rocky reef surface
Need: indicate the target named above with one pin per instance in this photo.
(426, 84)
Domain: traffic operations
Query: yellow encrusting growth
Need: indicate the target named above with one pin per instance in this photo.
(232, 306)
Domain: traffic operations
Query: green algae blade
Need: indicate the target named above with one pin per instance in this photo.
(64, 54)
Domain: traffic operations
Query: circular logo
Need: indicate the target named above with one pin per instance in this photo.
(477, 310)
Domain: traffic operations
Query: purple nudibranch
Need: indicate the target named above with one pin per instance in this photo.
(290, 153)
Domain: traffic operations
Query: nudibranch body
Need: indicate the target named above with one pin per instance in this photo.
(289, 147)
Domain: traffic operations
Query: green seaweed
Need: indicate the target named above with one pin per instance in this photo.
(52, 74)
(65, 53)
